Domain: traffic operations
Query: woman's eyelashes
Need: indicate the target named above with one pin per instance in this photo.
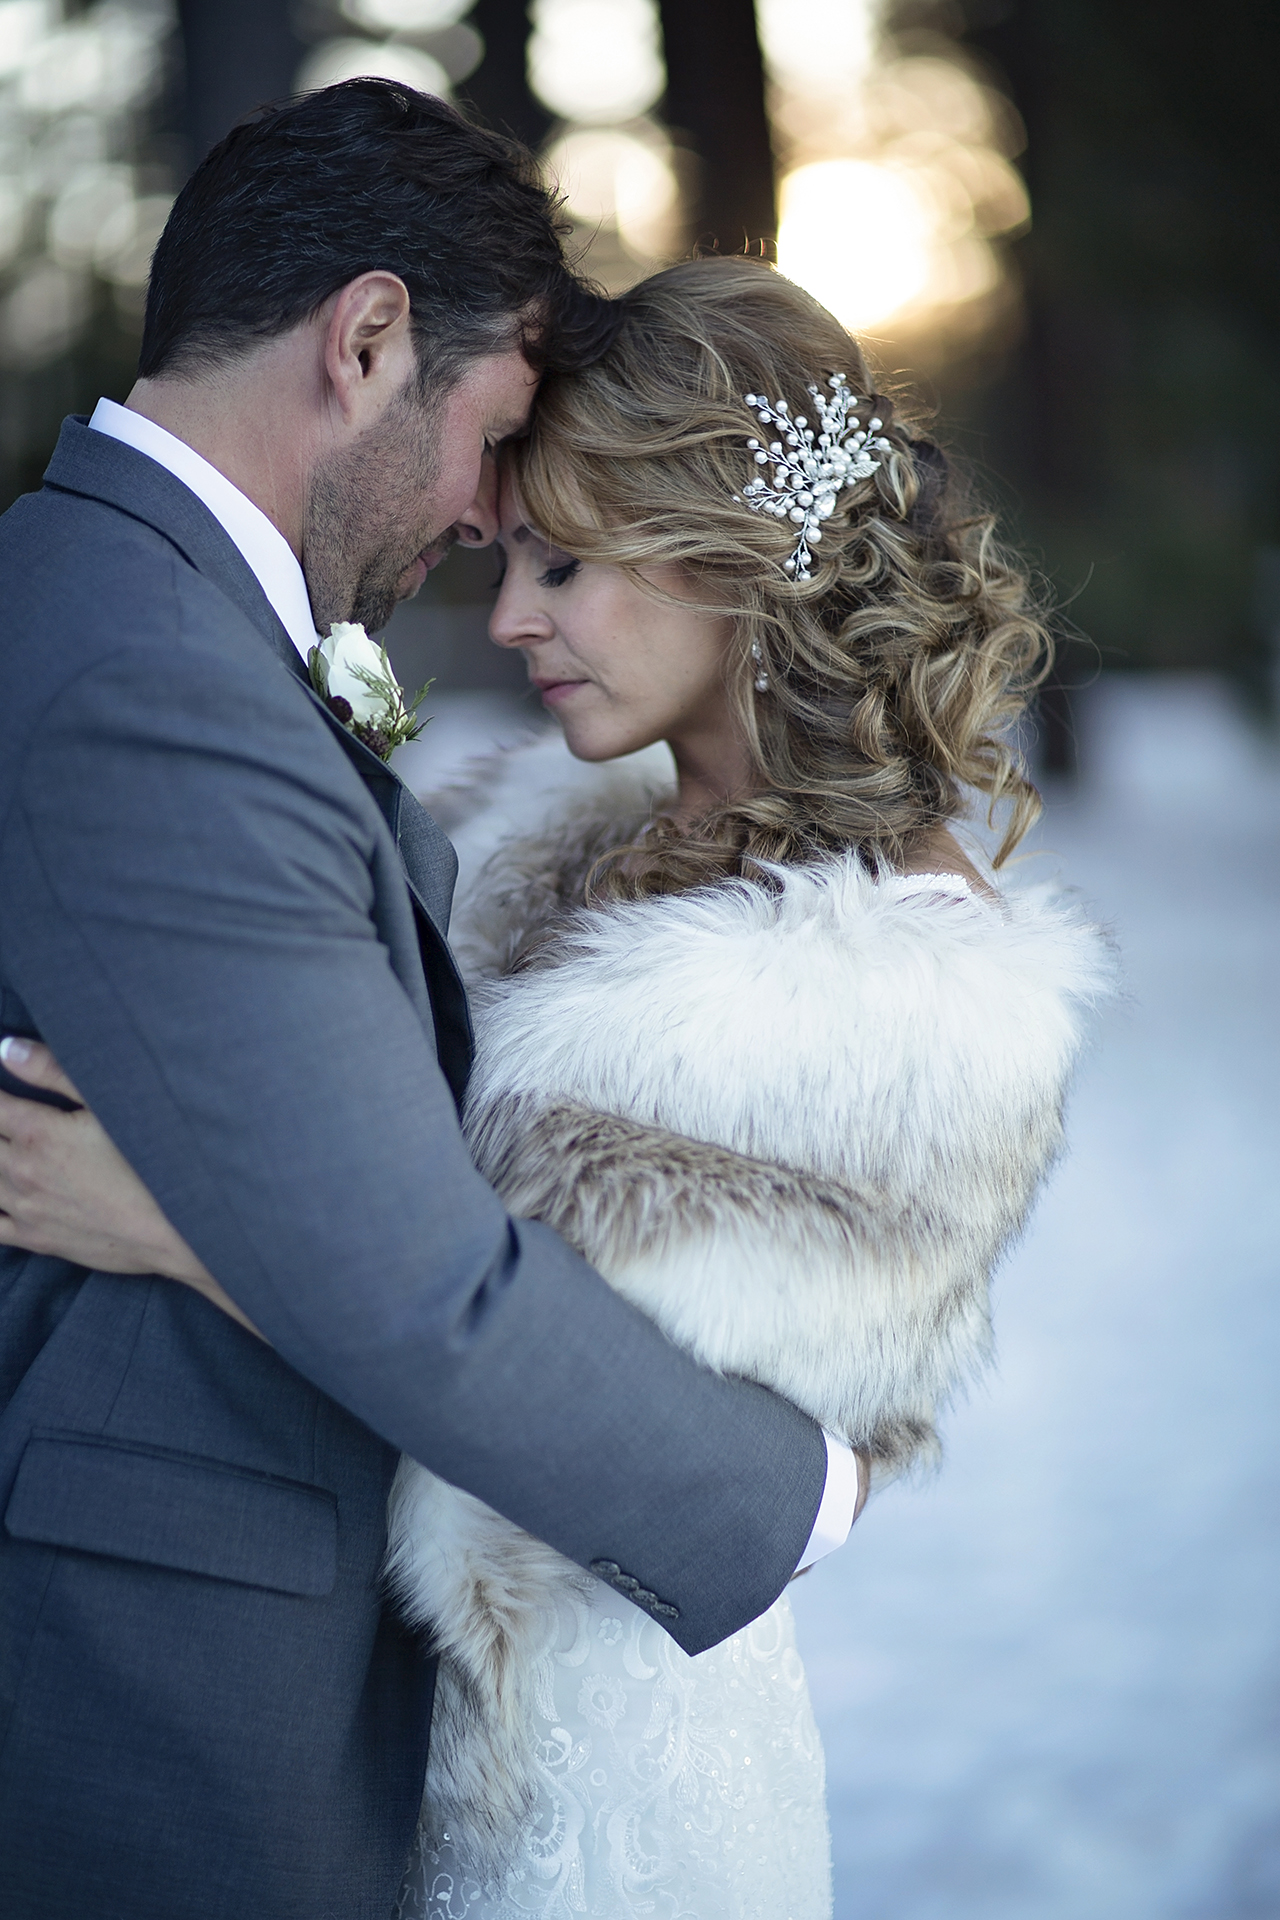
(560, 574)
(555, 575)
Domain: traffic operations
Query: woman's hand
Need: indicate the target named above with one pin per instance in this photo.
(66, 1190)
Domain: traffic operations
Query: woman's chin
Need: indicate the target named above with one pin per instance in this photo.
(584, 749)
(592, 743)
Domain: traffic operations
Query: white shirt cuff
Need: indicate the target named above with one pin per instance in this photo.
(836, 1508)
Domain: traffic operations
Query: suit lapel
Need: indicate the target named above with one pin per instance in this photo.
(430, 868)
(93, 463)
(429, 861)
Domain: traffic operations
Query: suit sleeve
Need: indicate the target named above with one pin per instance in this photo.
(191, 917)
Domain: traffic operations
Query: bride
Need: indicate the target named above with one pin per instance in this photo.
(754, 1032)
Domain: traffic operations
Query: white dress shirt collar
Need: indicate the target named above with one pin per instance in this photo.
(262, 545)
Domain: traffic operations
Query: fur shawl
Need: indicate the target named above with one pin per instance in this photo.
(796, 1123)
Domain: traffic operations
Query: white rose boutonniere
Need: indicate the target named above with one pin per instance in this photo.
(355, 680)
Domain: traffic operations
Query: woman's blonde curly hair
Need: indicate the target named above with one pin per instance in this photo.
(895, 674)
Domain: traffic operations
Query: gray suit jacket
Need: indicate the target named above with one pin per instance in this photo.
(205, 1708)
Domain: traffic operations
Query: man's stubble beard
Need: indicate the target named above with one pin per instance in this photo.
(360, 535)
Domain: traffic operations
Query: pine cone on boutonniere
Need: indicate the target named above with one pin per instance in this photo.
(355, 680)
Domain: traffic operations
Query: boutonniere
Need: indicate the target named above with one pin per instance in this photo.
(356, 682)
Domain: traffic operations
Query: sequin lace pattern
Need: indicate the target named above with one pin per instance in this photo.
(670, 1787)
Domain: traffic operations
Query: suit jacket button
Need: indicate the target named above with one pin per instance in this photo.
(643, 1598)
(607, 1569)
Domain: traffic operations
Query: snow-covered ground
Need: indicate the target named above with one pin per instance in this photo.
(1049, 1682)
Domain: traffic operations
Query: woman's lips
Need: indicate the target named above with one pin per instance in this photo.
(554, 691)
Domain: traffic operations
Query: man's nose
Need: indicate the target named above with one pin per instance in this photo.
(477, 526)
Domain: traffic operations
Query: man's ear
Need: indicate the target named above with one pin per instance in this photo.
(368, 346)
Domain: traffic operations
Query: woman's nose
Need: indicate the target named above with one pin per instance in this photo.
(517, 620)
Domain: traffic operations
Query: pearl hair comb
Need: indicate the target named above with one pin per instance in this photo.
(809, 473)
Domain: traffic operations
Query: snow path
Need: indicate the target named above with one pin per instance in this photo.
(1049, 1683)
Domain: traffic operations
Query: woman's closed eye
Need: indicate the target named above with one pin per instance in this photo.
(560, 574)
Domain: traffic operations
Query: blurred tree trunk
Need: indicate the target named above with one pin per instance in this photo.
(498, 90)
(238, 54)
(1042, 432)
(1141, 411)
(715, 97)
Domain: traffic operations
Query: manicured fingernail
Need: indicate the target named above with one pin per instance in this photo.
(14, 1052)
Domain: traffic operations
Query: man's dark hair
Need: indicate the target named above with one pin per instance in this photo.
(302, 197)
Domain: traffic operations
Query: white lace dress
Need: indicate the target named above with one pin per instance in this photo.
(670, 1787)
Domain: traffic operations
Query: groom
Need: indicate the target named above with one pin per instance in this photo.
(227, 918)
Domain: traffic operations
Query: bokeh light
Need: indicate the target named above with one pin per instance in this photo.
(596, 60)
(42, 315)
(598, 64)
(857, 236)
(78, 208)
(344, 59)
(425, 44)
(105, 59)
(405, 16)
(826, 42)
(128, 239)
(897, 179)
(624, 178)
(896, 183)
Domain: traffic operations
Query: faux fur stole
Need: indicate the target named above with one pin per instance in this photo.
(795, 1123)
(527, 825)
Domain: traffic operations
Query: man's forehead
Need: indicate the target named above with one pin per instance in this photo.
(503, 386)
(511, 423)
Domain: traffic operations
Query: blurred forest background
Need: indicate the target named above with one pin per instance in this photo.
(1053, 216)
(1048, 1685)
